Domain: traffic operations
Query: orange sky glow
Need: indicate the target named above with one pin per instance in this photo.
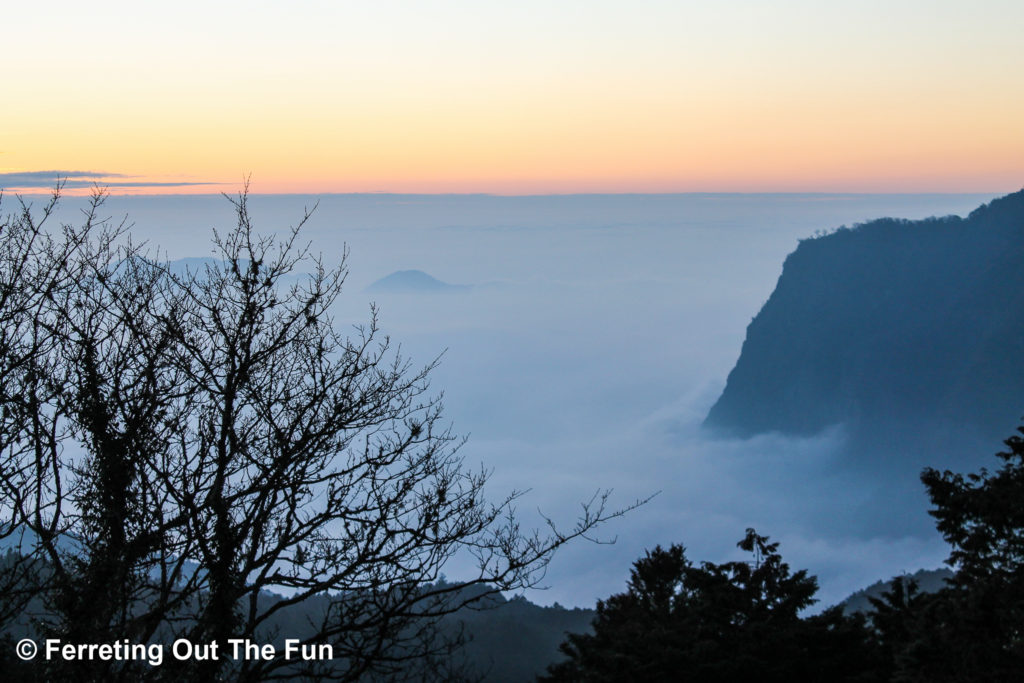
(522, 98)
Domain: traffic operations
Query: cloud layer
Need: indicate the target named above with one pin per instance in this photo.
(83, 179)
(606, 330)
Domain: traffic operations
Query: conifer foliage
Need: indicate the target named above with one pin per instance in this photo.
(736, 621)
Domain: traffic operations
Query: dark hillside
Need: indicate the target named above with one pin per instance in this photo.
(909, 332)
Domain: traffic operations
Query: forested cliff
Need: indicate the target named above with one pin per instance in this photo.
(888, 327)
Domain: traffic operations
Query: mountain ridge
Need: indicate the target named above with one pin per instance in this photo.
(888, 326)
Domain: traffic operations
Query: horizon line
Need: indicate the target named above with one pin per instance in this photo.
(78, 192)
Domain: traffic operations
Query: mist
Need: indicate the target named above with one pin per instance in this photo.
(591, 337)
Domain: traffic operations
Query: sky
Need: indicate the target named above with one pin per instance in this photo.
(514, 98)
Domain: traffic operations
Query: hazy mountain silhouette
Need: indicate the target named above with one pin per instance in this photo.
(403, 281)
(505, 640)
(927, 580)
(911, 333)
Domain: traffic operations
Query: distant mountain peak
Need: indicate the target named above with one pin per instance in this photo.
(410, 281)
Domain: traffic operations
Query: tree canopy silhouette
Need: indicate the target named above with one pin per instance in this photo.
(969, 631)
(736, 621)
(740, 621)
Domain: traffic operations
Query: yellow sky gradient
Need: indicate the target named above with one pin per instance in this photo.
(518, 97)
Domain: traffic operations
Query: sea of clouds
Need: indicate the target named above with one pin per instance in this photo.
(596, 332)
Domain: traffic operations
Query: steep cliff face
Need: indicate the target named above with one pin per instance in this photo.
(912, 323)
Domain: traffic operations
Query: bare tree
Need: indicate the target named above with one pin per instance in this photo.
(36, 268)
(246, 470)
(89, 392)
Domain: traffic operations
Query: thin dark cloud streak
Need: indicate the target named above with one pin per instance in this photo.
(80, 179)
